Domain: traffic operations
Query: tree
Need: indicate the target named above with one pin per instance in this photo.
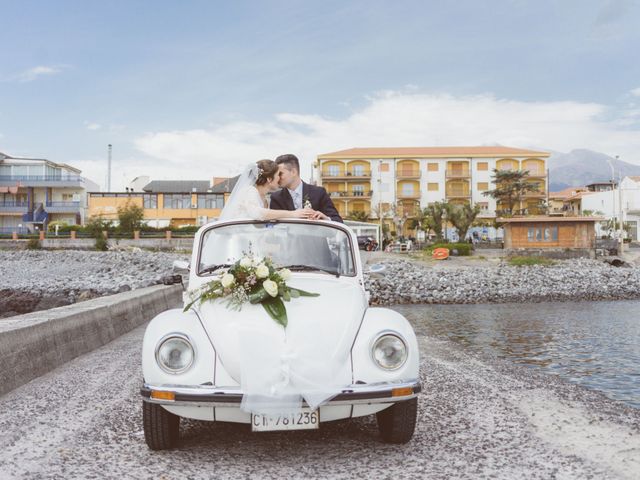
(462, 217)
(511, 185)
(435, 213)
(130, 217)
(96, 226)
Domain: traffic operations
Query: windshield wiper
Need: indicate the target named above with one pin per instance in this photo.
(213, 268)
(302, 268)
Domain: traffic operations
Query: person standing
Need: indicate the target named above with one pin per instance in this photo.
(296, 194)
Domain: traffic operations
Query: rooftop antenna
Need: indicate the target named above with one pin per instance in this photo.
(109, 169)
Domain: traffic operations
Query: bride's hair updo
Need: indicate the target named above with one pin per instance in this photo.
(266, 171)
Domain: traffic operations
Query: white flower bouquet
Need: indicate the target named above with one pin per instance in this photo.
(254, 280)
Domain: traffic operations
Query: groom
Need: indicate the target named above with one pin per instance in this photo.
(295, 193)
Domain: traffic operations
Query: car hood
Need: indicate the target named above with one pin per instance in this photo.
(315, 345)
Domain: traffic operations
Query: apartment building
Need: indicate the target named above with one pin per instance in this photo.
(167, 203)
(403, 180)
(35, 192)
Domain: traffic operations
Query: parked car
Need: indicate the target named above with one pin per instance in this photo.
(194, 362)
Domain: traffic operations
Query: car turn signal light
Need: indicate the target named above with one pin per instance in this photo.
(162, 395)
(401, 392)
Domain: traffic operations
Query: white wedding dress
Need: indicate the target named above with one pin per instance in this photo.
(245, 203)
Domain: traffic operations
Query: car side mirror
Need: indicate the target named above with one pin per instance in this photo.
(377, 270)
(180, 266)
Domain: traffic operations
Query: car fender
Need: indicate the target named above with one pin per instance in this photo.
(202, 370)
(377, 321)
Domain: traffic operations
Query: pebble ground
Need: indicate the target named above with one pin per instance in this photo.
(479, 417)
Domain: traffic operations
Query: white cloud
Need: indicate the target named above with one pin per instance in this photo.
(636, 92)
(92, 126)
(35, 72)
(404, 118)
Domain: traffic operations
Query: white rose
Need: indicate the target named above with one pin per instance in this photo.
(262, 271)
(271, 287)
(245, 262)
(227, 280)
(285, 274)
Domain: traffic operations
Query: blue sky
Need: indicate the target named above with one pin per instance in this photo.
(196, 89)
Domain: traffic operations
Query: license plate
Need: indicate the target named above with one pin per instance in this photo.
(305, 419)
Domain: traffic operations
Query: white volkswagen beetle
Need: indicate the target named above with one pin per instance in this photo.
(335, 358)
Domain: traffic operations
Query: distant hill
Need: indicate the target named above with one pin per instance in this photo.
(581, 167)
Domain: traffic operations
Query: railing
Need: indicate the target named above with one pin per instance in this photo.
(458, 173)
(41, 178)
(13, 204)
(63, 204)
(458, 193)
(408, 194)
(408, 174)
(346, 174)
(350, 194)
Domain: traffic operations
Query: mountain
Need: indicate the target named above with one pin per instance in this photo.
(581, 167)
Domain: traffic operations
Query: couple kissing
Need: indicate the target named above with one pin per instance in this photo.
(290, 196)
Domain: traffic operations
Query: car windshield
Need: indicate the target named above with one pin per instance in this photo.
(299, 246)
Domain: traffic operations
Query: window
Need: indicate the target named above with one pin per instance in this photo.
(334, 170)
(432, 167)
(358, 190)
(358, 170)
(483, 166)
(210, 200)
(432, 187)
(177, 200)
(482, 186)
(484, 206)
(358, 207)
(384, 167)
(407, 189)
(150, 200)
(542, 233)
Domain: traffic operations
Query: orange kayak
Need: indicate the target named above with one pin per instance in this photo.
(440, 253)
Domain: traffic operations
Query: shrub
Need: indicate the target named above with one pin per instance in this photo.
(102, 244)
(34, 244)
(528, 261)
(462, 249)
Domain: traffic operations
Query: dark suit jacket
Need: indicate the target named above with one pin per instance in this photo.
(320, 200)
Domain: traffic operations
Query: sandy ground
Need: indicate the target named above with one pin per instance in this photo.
(478, 418)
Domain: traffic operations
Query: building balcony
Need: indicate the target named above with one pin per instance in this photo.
(408, 195)
(458, 173)
(408, 174)
(62, 207)
(458, 194)
(540, 194)
(345, 176)
(537, 173)
(14, 207)
(41, 180)
(350, 195)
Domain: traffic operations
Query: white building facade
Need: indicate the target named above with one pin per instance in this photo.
(375, 180)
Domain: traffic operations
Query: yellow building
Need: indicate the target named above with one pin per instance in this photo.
(402, 180)
(167, 203)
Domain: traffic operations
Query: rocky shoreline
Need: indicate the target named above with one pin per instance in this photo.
(569, 280)
(32, 280)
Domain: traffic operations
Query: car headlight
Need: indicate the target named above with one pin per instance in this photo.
(389, 351)
(175, 353)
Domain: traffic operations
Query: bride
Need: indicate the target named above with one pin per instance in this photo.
(248, 198)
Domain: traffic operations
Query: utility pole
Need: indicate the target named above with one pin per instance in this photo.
(109, 168)
(621, 230)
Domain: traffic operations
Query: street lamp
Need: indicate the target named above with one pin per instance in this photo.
(444, 218)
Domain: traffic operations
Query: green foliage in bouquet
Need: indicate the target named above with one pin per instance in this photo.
(254, 280)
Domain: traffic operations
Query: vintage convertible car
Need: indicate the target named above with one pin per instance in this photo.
(196, 362)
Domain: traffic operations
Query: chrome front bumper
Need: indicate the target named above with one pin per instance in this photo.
(202, 395)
